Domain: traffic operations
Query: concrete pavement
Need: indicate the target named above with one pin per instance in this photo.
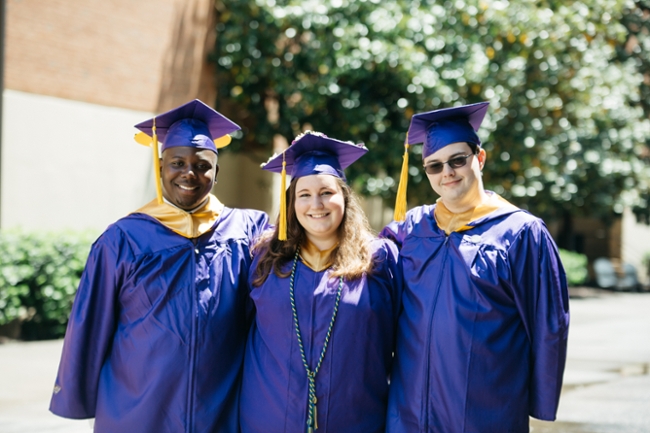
(607, 379)
(27, 373)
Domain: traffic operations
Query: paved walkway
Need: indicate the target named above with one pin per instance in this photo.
(27, 373)
(607, 380)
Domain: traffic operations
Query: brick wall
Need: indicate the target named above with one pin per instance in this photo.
(144, 55)
(83, 72)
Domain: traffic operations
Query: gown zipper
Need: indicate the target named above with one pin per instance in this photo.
(193, 338)
(428, 343)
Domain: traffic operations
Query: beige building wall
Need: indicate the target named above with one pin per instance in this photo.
(635, 241)
(61, 168)
(78, 75)
(242, 183)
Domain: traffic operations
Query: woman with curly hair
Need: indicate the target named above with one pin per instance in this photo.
(326, 294)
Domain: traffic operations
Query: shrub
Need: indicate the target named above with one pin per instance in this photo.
(575, 265)
(39, 276)
(645, 260)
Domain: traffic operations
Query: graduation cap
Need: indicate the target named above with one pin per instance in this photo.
(437, 129)
(194, 124)
(311, 153)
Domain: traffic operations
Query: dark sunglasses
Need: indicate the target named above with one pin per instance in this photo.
(455, 162)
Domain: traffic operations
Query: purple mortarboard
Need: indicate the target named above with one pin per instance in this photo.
(191, 125)
(315, 153)
(438, 128)
(311, 153)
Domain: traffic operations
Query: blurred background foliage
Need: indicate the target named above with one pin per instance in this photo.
(39, 276)
(568, 82)
(575, 267)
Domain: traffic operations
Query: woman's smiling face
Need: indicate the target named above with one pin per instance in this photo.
(320, 206)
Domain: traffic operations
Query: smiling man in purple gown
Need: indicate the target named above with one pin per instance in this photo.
(157, 331)
(482, 335)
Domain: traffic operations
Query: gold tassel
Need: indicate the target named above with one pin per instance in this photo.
(282, 230)
(156, 163)
(400, 200)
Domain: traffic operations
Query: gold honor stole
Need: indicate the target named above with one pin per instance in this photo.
(187, 224)
(458, 222)
(315, 259)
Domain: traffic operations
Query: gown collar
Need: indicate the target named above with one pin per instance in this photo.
(314, 258)
(190, 224)
(458, 222)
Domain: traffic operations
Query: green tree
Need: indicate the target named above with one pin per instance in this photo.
(636, 20)
(566, 130)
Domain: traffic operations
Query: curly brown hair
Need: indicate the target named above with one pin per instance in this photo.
(350, 259)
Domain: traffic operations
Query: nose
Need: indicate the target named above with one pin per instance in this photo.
(317, 202)
(189, 171)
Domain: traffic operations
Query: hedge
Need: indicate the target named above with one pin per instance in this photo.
(39, 275)
(40, 272)
(575, 265)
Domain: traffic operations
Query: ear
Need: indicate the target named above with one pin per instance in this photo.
(216, 171)
(482, 157)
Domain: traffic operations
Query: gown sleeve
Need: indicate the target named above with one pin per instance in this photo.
(395, 231)
(393, 272)
(259, 224)
(540, 290)
(91, 327)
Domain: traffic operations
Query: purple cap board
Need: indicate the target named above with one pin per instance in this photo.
(194, 124)
(439, 128)
(315, 153)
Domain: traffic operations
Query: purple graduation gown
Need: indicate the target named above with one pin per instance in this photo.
(482, 335)
(157, 331)
(352, 384)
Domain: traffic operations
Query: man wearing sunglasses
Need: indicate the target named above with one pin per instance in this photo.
(482, 335)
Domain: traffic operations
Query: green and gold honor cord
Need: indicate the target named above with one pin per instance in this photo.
(312, 423)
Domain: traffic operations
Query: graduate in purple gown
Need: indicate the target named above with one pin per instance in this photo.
(157, 332)
(326, 295)
(483, 332)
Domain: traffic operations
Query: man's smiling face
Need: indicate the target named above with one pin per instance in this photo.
(459, 188)
(188, 175)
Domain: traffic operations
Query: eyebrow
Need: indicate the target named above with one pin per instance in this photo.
(199, 159)
(321, 189)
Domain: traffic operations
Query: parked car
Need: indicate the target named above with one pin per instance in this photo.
(625, 278)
